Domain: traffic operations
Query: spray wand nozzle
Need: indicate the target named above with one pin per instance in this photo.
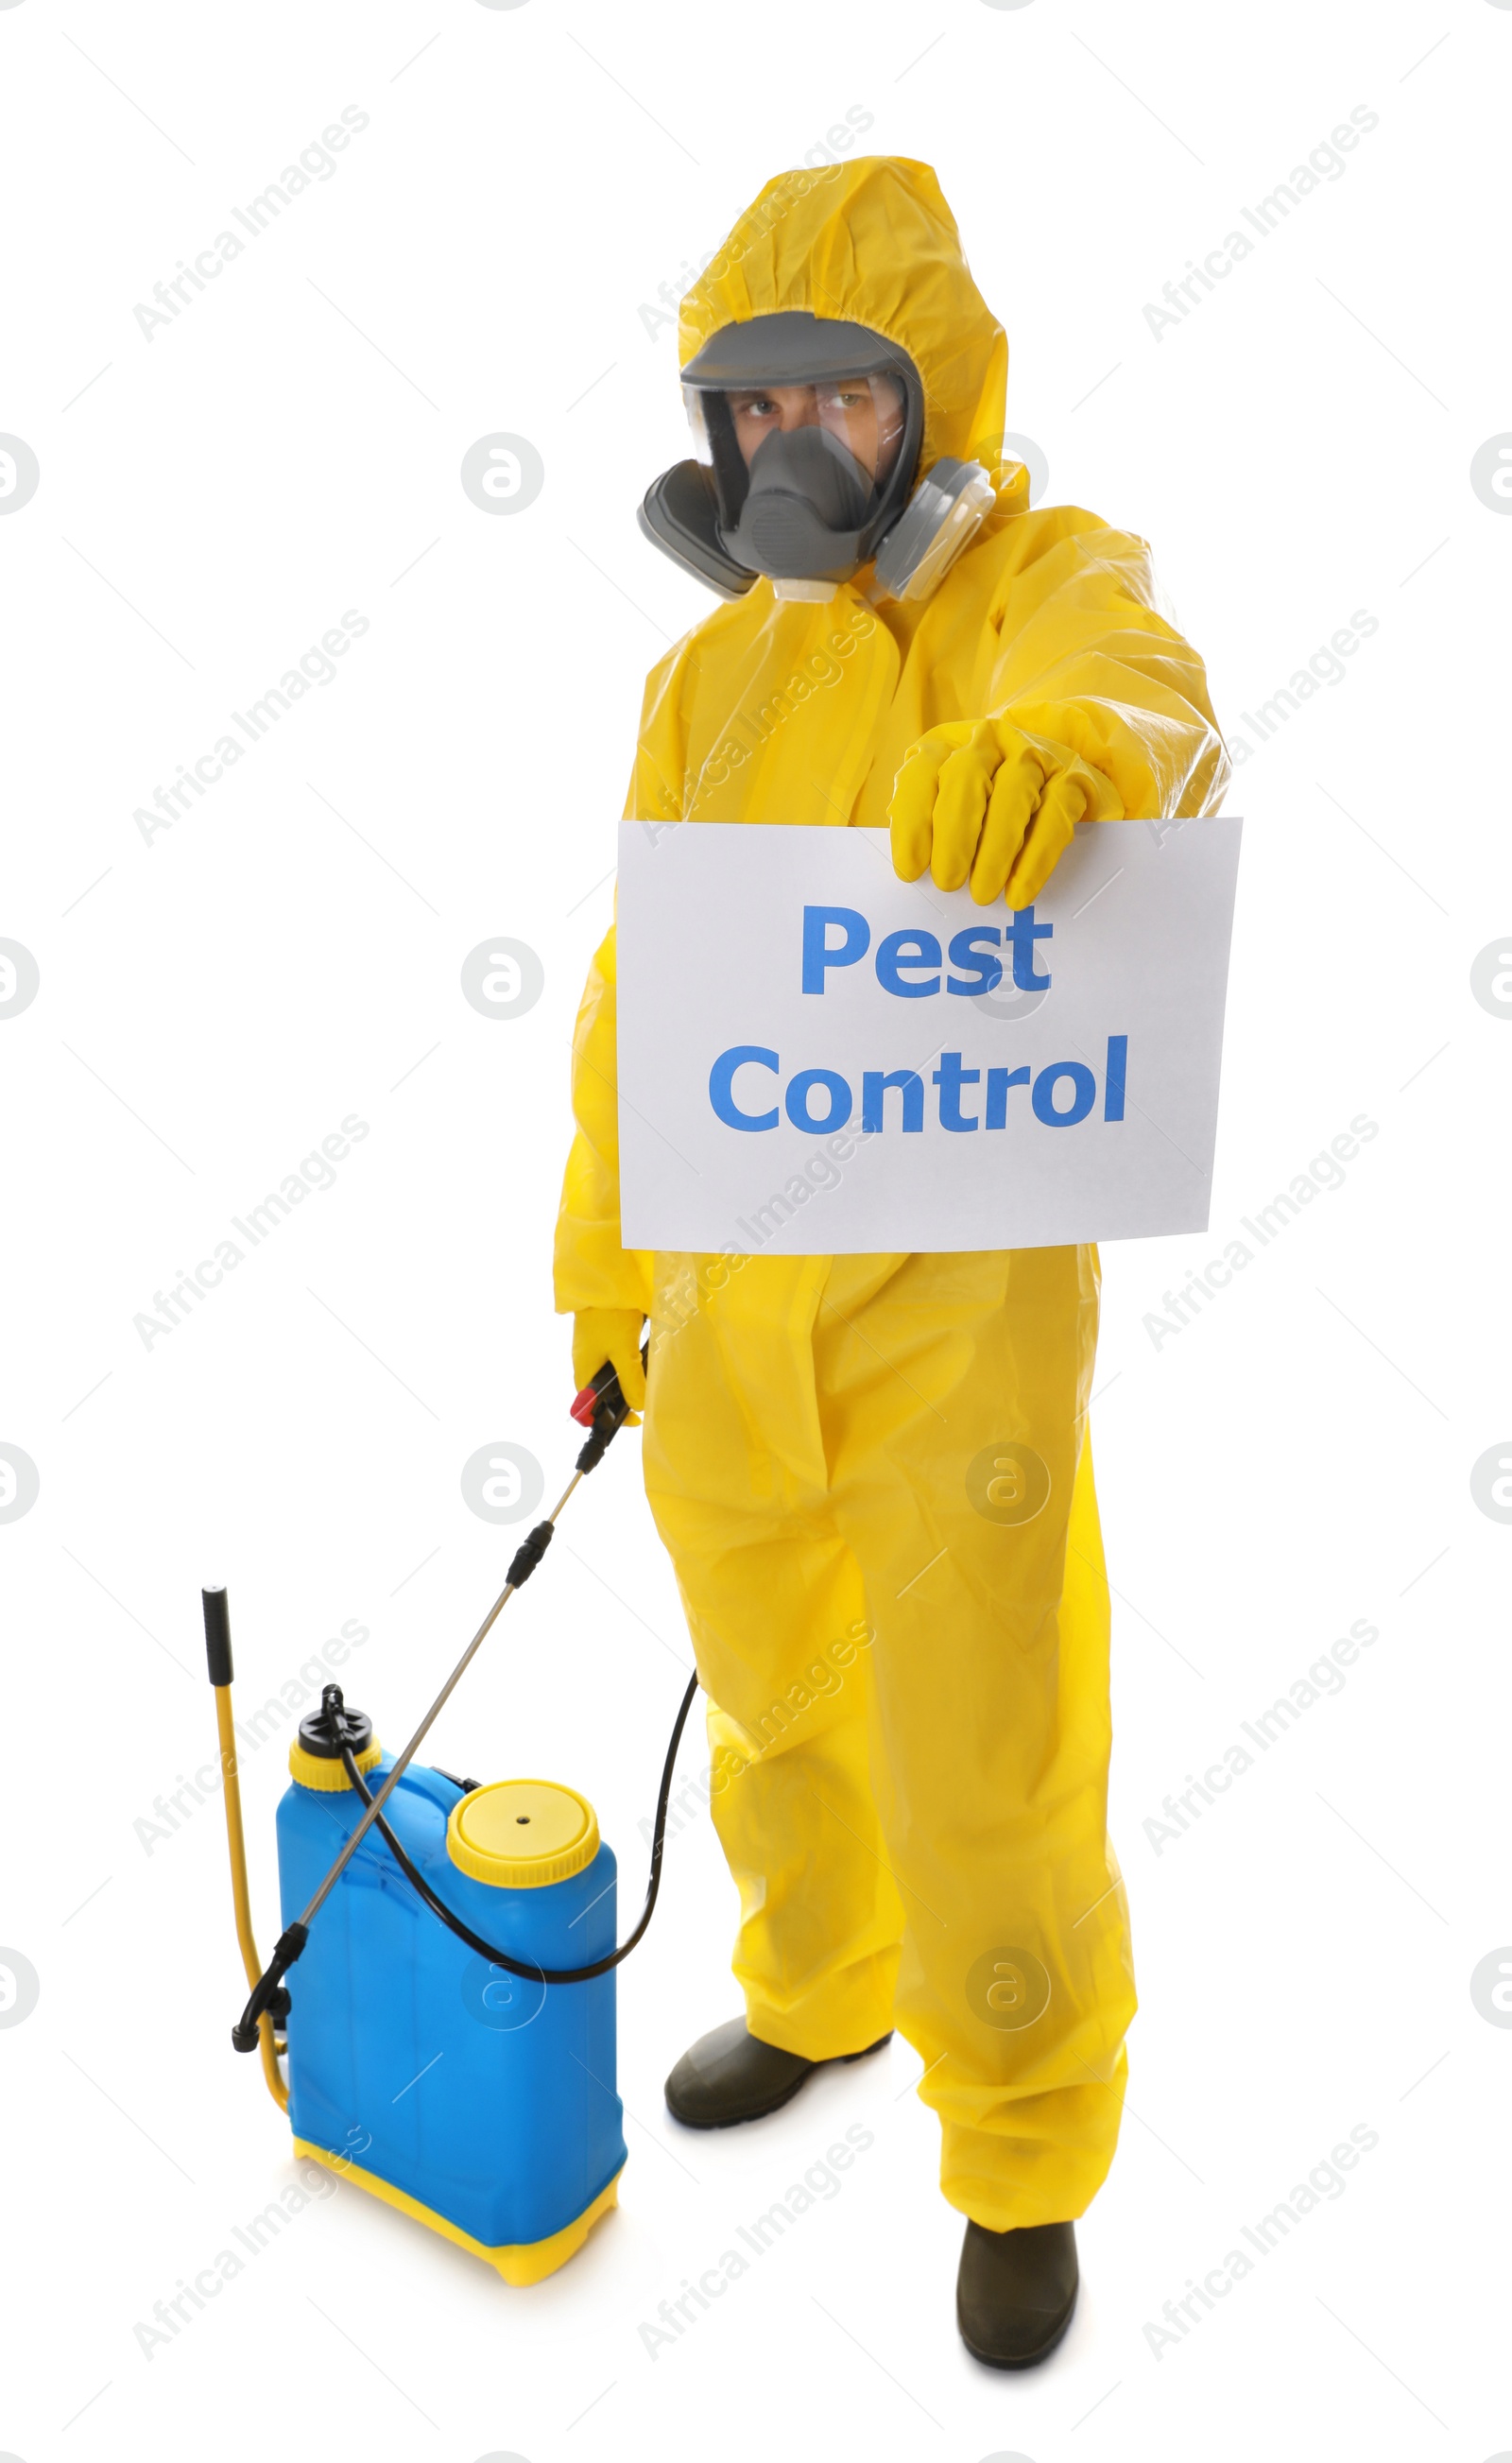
(269, 1992)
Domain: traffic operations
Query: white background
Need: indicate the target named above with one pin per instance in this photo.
(1296, 1458)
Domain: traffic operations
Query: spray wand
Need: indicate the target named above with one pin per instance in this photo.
(601, 1407)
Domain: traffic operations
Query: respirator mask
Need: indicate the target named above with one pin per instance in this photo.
(807, 434)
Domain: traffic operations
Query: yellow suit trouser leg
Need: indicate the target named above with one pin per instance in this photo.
(737, 1481)
(954, 1401)
(905, 1439)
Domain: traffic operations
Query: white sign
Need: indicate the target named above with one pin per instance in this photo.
(817, 1058)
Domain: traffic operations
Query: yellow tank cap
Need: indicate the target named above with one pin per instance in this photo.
(522, 1833)
(325, 1778)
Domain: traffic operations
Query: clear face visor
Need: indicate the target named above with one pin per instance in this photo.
(866, 415)
(806, 473)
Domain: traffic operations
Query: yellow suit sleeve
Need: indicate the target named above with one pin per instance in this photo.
(593, 1269)
(1084, 656)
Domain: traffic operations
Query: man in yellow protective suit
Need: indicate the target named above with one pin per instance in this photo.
(907, 1679)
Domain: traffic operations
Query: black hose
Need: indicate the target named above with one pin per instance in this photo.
(336, 1721)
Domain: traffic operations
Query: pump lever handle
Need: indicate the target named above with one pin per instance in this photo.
(217, 1636)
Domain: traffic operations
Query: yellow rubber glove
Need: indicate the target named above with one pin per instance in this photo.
(614, 1335)
(979, 800)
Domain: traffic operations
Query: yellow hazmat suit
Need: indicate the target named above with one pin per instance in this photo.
(872, 1472)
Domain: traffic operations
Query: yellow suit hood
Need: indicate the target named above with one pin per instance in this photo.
(872, 242)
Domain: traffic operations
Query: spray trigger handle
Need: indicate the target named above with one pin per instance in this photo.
(600, 1408)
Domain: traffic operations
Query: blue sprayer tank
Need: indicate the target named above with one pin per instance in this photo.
(481, 2103)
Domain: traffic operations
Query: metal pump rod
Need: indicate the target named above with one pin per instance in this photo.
(423, 1729)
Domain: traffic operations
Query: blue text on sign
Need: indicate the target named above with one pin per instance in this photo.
(1061, 1094)
(911, 964)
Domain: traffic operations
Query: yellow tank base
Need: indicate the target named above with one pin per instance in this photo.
(519, 2262)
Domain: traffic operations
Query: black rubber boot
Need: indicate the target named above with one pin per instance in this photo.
(730, 2076)
(1015, 2293)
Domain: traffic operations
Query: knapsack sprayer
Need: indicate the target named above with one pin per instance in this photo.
(469, 2084)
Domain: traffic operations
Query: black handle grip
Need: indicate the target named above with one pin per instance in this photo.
(217, 1636)
(612, 1412)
